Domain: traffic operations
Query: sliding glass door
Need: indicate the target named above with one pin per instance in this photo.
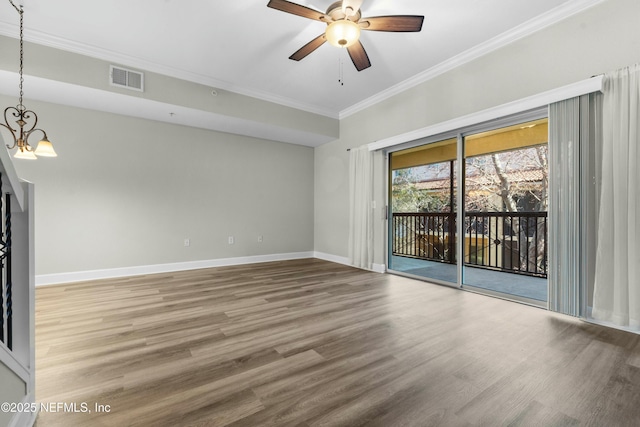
(505, 211)
(497, 243)
(422, 226)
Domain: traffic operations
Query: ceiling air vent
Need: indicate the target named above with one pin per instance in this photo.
(129, 79)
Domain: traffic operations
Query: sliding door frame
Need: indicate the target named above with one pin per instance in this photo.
(389, 206)
(460, 134)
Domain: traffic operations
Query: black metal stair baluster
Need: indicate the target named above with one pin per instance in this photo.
(7, 260)
(2, 271)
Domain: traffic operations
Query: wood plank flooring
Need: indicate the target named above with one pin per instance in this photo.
(312, 343)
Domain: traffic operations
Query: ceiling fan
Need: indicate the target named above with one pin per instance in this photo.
(344, 21)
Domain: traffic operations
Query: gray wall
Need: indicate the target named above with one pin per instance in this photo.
(73, 68)
(603, 38)
(126, 192)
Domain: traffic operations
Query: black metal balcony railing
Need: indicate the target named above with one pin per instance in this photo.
(507, 241)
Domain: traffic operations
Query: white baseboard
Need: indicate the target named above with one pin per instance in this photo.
(332, 258)
(81, 276)
(589, 319)
(377, 268)
(112, 273)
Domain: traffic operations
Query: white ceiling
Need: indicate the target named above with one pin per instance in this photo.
(243, 46)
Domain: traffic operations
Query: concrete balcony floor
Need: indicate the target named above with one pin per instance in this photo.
(510, 284)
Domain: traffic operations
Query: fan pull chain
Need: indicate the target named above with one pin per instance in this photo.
(340, 72)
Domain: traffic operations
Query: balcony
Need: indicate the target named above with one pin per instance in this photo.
(513, 242)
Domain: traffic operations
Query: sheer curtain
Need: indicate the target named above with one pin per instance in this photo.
(360, 209)
(616, 296)
(564, 205)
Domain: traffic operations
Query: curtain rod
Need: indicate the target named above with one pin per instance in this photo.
(582, 87)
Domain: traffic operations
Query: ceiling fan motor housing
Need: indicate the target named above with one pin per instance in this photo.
(336, 13)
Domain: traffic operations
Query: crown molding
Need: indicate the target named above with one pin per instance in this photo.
(532, 26)
(44, 39)
(564, 11)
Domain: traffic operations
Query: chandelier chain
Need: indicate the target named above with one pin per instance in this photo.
(21, 11)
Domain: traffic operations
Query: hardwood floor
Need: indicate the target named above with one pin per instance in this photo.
(312, 343)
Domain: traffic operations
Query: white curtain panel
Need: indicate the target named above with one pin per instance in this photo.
(617, 277)
(360, 212)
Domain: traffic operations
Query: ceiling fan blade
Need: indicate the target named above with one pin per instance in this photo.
(354, 5)
(359, 56)
(308, 48)
(396, 23)
(297, 9)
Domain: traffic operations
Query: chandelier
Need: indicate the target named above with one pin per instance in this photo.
(25, 119)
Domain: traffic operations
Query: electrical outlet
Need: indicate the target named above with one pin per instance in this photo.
(187, 242)
(259, 239)
(231, 240)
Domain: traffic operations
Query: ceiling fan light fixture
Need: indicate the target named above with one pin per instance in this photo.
(343, 33)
